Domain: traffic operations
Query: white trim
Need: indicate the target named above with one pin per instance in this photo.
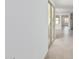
(52, 3)
(44, 55)
(2, 29)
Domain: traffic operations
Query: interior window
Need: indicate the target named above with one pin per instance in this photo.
(57, 20)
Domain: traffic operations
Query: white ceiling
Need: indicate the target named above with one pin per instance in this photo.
(63, 6)
(63, 3)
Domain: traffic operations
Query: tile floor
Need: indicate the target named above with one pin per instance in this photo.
(62, 48)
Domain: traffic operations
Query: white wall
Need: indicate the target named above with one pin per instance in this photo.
(62, 13)
(26, 29)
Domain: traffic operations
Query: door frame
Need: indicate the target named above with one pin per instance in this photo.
(52, 23)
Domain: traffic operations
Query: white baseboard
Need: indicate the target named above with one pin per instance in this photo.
(44, 55)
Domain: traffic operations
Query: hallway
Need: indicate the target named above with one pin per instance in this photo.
(62, 48)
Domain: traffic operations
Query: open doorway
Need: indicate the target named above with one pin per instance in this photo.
(60, 29)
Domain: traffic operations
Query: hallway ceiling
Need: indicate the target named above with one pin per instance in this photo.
(63, 6)
(63, 3)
